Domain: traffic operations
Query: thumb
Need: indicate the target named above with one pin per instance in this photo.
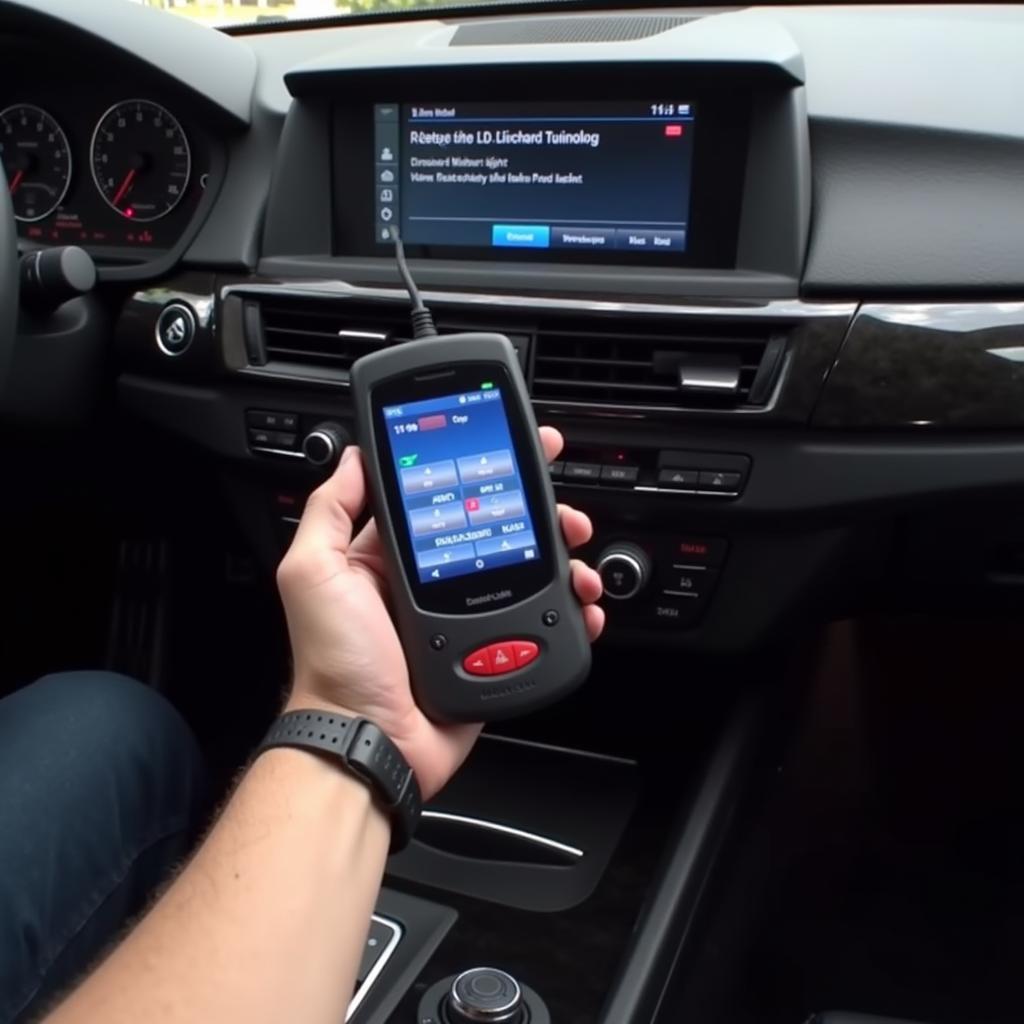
(334, 506)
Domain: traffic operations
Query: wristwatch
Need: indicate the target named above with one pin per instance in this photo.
(362, 749)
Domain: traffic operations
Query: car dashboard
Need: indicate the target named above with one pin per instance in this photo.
(762, 268)
(826, 338)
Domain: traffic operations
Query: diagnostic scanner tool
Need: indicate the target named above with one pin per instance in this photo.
(478, 570)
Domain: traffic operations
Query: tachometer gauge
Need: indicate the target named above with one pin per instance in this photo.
(36, 159)
(140, 160)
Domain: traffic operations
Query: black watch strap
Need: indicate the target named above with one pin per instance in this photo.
(365, 751)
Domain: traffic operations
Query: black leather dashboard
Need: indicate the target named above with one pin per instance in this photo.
(876, 285)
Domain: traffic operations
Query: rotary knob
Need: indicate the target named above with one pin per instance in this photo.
(485, 994)
(625, 570)
(323, 445)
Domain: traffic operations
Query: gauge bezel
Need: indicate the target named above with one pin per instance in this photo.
(188, 157)
(67, 149)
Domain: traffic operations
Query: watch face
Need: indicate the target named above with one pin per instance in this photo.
(462, 489)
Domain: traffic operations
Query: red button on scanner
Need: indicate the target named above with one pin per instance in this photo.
(478, 662)
(526, 652)
(503, 657)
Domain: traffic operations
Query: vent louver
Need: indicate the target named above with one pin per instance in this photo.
(678, 368)
(326, 336)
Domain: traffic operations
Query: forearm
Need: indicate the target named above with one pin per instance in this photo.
(268, 921)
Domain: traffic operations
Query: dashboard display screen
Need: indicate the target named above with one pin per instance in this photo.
(581, 176)
(463, 498)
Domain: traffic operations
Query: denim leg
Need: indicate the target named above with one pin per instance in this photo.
(100, 788)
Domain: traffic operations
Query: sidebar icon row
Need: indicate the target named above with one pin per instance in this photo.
(386, 150)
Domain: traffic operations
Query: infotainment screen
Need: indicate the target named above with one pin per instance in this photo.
(465, 502)
(592, 177)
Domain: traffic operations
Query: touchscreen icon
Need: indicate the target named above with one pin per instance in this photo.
(387, 195)
(387, 176)
(386, 213)
(386, 155)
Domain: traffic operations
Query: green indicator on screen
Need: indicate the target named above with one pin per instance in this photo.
(487, 385)
(405, 461)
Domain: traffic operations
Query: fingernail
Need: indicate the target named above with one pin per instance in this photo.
(347, 454)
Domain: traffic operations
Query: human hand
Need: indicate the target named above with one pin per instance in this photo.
(347, 656)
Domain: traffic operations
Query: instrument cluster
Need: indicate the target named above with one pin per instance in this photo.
(108, 175)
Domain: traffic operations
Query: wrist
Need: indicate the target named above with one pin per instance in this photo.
(311, 787)
(305, 699)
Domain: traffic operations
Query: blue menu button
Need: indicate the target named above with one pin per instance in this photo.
(521, 236)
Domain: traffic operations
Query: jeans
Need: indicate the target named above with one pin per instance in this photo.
(100, 791)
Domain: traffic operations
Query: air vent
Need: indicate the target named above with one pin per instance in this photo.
(634, 366)
(565, 31)
(298, 336)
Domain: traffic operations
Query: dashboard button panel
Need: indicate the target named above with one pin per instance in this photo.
(278, 440)
(700, 550)
(681, 479)
(689, 474)
(715, 480)
(271, 420)
(624, 476)
(582, 472)
(683, 571)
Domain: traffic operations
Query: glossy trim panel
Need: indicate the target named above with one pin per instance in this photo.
(772, 309)
(506, 830)
(379, 965)
(929, 365)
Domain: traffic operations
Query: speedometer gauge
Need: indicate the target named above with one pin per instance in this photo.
(140, 160)
(36, 159)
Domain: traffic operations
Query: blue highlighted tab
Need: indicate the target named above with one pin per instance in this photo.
(521, 236)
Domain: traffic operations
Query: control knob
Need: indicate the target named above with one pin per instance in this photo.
(324, 444)
(485, 994)
(625, 570)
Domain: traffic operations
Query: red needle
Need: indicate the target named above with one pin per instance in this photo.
(125, 185)
(16, 182)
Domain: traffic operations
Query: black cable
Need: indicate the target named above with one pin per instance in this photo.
(422, 320)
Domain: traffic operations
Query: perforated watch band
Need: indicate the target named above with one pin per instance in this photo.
(363, 749)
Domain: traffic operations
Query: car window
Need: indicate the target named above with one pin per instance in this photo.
(224, 13)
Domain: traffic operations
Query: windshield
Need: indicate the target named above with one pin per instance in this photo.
(246, 12)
